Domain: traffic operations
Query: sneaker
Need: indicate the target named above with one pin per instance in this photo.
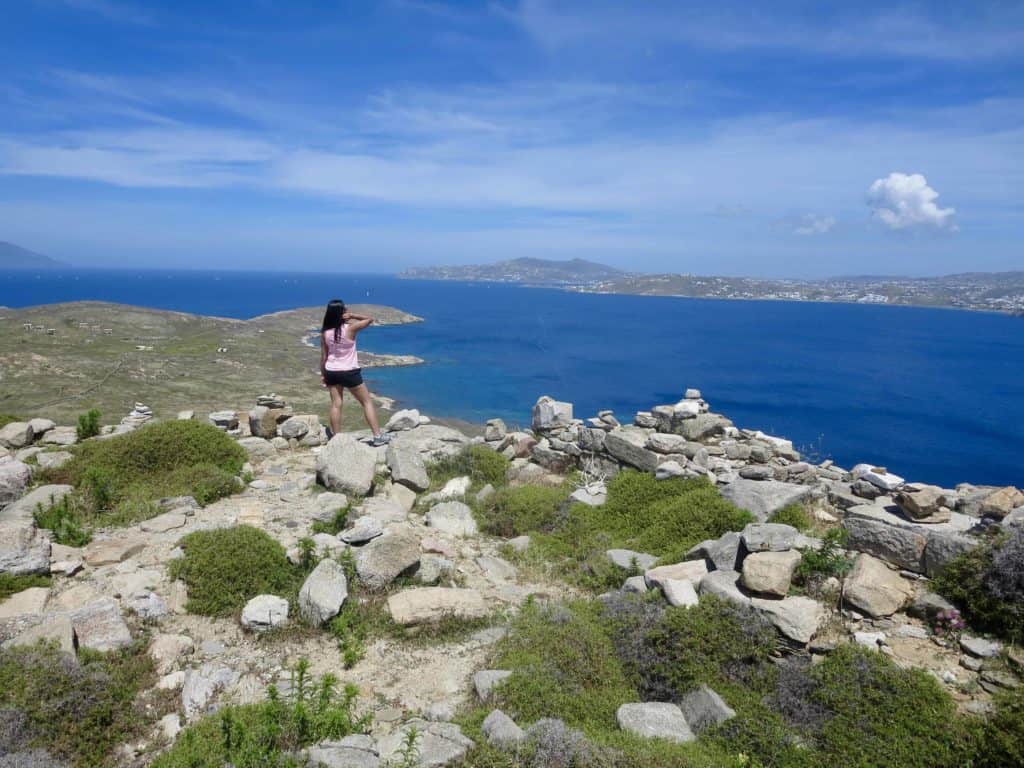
(382, 439)
(330, 433)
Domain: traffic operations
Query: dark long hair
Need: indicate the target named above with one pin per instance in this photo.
(333, 317)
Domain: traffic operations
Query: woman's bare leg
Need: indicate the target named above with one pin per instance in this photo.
(362, 394)
(336, 401)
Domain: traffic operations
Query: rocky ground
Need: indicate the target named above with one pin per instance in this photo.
(117, 587)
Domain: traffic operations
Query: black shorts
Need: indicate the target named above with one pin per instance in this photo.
(347, 379)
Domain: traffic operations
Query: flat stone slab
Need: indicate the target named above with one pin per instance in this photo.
(168, 521)
(356, 751)
(655, 720)
(385, 558)
(797, 618)
(265, 612)
(689, 570)
(57, 630)
(437, 744)
(453, 518)
(628, 559)
(100, 626)
(763, 497)
(112, 551)
(426, 604)
(30, 601)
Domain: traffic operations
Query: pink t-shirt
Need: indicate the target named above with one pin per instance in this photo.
(341, 354)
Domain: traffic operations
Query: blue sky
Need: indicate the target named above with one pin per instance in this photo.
(767, 139)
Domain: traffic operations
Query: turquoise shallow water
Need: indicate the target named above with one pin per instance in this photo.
(935, 395)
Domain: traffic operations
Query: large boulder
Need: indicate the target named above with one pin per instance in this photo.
(402, 421)
(437, 744)
(14, 479)
(203, 685)
(407, 468)
(323, 593)
(875, 589)
(263, 422)
(265, 612)
(770, 573)
(100, 626)
(23, 548)
(725, 586)
(427, 604)
(722, 554)
(763, 497)
(453, 518)
(387, 557)
(17, 434)
(944, 546)
(699, 427)
(703, 709)
(549, 413)
(689, 570)
(346, 465)
(501, 730)
(629, 445)
(431, 441)
(655, 720)
(796, 618)
(924, 502)
(901, 546)
(1002, 502)
(770, 537)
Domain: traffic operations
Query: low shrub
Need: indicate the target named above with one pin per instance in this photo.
(270, 734)
(999, 738)
(335, 525)
(118, 479)
(11, 585)
(77, 710)
(225, 568)
(66, 520)
(478, 462)
(825, 561)
(88, 424)
(794, 515)
(514, 511)
(987, 585)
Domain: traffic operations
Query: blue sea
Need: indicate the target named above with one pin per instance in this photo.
(934, 395)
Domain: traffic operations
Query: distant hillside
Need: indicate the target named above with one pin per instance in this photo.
(527, 271)
(15, 257)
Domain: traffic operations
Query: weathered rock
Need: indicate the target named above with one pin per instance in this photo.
(294, 428)
(437, 744)
(265, 612)
(258, 448)
(877, 476)
(770, 573)
(703, 709)
(593, 495)
(14, 479)
(701, 427)
(385, 558)
(757, 472)
(495, 430)
(17, 434)
(496, 569)
(147, 605)
(763, 497)
(432, 442)
(903, 547)
(112, 551)
(346, 465)
(662, 442)
(486, 680)
(689, 570)
(630, 560)
(263, 422)
(100, 626)
(425, 604)
(452, 517)
(770, 537)
(323, 593)
(224, 419)
(168, 650)
(628, 445)
(384, 509)
(549, 413)
(501, 730)
(1001, 502)
(53, 459)
(407, 468)
(31, 601)
(680, 592)
(927, 605)
(875, 589)
(722, 554)
(943, 547)
(724, 585)
(919, 501)
(356, 751)
(364, 529)
(655, 720)
(57, 630)
(203, 685)
(168, 521)
(402, 421)
(796, 618)
(980, 647)
(60, 436)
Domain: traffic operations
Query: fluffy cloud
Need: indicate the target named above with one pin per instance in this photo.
(905, 201)
(812, 224)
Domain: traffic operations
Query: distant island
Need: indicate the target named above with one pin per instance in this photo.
(15, 257)
(989, 291)
(526, 271)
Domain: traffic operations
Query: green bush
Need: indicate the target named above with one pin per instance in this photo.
(987, 585)
(66, 521)
(12, 585)
(334, 526)
(825, 561)
(88, 424)
(481, 464)
(269, 734)
(999, 739)
(118, 479)
(78, 710)
(515, 511)
(794, 515)
(225, 568)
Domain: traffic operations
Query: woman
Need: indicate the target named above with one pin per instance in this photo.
(339, 365)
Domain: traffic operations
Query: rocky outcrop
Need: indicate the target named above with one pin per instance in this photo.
(385, 558)
(347, 465)
(875, 589)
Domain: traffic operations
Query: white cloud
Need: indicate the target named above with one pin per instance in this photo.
(813, 224)
(905, 201)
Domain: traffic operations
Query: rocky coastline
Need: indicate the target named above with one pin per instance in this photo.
(423, 547)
